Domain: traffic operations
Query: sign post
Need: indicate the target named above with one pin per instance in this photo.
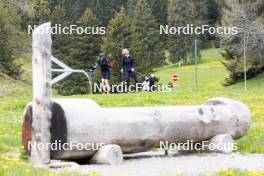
(196, 65)
(245, 61)
(175, 78)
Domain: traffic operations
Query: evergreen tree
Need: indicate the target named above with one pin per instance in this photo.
(81, 53)
(58, 40)
(117, 37)
(248, 17)
(180, 14)
(159, 10)
(9, 26)
(158, 7)
(146, 41)
(103, 10)
(42, 12)
(131, 7)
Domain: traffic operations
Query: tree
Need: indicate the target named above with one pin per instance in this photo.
(118, 37)
(158, 7)
(103, 10)
(180, 14)
(131, 7)
(248, 17)
(159, 10)
(146, 44)
(59, 49)
(9, 26)
(42, 12)
(80, 53)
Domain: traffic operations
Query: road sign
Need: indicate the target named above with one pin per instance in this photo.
(175, 77)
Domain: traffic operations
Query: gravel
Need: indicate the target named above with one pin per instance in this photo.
(154, 164)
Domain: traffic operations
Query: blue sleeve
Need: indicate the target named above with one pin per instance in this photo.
(96, 65)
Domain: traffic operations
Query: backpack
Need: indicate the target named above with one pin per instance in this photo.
(109, 64)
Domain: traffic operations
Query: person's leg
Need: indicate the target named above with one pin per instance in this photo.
(133, 75)
(107, 78)
(126, 77)
(103, 85)
(107, 87)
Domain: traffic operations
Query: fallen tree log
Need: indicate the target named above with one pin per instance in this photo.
(137, 129)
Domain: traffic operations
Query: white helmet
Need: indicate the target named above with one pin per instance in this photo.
(125, 51)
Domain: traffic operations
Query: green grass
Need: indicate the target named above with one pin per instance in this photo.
(15, 95)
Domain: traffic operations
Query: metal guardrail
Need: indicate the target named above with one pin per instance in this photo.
(66, 71)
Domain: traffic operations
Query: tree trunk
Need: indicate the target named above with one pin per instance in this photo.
(141, 129)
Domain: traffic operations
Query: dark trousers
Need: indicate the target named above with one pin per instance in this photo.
(128, 75)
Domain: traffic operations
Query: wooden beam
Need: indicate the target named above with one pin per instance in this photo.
(41, 68)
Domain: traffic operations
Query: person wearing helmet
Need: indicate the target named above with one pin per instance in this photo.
(105, 71)
(128, 67)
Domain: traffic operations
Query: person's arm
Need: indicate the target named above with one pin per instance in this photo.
(96, 65)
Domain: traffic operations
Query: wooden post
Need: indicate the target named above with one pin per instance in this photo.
(41, 68)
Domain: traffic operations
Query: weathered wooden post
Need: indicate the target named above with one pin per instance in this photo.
(41, 109)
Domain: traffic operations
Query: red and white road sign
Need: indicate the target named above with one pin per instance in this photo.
(175, 77)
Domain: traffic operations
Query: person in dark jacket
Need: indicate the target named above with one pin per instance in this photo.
(152, 80)
(128, 67)
(105, 71)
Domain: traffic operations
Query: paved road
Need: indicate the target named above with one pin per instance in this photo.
(149, 164)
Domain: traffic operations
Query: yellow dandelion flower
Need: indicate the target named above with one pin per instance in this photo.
(94, 174)
(28, 170)
(51, 174)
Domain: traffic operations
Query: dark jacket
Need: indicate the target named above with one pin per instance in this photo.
(128, 63)
(103, 64)
(152, 81)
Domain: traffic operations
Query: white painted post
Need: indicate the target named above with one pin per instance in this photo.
(41, 68)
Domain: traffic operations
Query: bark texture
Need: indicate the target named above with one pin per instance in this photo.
(41, 105)
(140, 129)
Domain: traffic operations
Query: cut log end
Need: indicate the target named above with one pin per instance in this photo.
(223, 143)
(58, 128)
(109, 154)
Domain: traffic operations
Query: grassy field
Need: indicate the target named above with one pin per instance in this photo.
(15, 95)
